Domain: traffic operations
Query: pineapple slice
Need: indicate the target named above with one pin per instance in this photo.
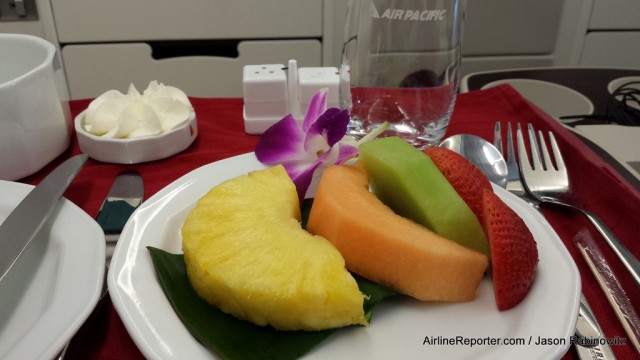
(247, 254)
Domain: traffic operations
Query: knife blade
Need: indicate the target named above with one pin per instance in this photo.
(24, 222)
(123, 198)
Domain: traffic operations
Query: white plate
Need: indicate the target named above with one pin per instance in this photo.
(556, 100)
(398, 328)
(55, 284)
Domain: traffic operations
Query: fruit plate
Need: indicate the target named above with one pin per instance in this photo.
(538, 328)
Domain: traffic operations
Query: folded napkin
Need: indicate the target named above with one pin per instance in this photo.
(595, 184)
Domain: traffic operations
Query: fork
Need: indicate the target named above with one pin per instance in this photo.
(591, 328)
(549, 184)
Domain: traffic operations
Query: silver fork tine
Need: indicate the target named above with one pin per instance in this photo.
(529, 168)
(514, 183)
(533, 144)
(513, 165)
(546, 157)
(497, 137)
(525, 164)
(532, 177)
(556, 153)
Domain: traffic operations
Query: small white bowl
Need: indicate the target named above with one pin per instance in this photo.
(136, 150)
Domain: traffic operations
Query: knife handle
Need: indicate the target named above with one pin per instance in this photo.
(588, 351)
(114, 215)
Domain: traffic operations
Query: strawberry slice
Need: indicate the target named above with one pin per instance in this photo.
(514, 253)
(466, 178)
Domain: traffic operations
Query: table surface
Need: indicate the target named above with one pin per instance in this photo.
(221, 135)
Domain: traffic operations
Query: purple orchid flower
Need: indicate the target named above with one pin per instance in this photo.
(302, 150)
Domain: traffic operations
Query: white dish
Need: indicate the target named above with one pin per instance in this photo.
(556, 100)
(617, 83)
(55, 284)
(398, 327)
(136, 150)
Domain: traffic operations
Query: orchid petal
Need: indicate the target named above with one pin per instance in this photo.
(331, 125)
(282, 142)
(316, 146)
(345, 151)
(304, 150)
(301, 175)
(317, 107)
(338, 154)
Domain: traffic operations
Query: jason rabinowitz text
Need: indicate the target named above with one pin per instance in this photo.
(531, 340)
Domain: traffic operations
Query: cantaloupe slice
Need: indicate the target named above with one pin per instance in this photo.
(387, 248)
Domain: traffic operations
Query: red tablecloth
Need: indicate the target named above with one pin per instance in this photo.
(597, 186)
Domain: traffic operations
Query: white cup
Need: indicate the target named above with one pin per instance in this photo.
(400, 64)
(35, 120)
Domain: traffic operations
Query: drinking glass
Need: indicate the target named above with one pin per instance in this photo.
(401, 65)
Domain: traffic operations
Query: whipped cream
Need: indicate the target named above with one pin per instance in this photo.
(157, 110)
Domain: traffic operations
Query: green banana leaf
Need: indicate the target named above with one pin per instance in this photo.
(230, 337)
(235, 339)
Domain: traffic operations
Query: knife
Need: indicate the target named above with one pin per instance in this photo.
(124, 197)
(24, 222)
